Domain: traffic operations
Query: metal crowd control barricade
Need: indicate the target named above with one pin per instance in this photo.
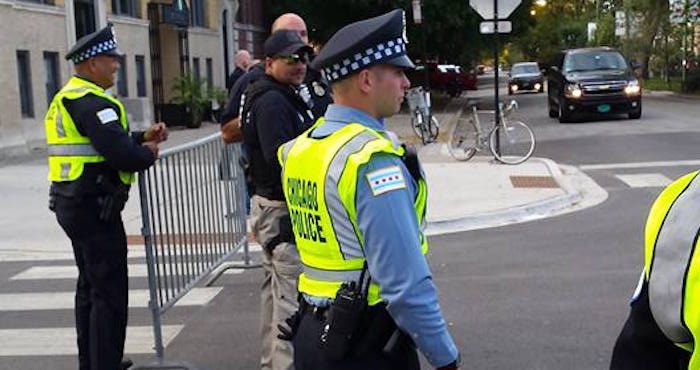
(193, 207)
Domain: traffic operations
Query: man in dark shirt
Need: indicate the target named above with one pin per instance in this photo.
(272, 114)
(242, 63)
(314, 90)
(92, 160)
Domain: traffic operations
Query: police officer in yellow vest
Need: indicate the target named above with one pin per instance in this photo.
(92, 159)
(357, 201)
(665, 312)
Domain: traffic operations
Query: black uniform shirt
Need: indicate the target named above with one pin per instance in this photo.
(232, 108)
(275, 118)
(121, 151)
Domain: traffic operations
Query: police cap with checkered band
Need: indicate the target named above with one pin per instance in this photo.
(101, 42)
(378, 40)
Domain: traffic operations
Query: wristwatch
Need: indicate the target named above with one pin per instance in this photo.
(456, 364)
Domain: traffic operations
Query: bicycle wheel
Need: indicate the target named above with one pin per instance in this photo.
(463, 140)
(433, 128)
(417, 124)
(517, 142)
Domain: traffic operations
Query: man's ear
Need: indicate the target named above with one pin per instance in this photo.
(365, 81)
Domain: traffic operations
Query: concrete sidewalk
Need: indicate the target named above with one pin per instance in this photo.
(462, 195)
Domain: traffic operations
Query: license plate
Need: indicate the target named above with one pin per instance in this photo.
(604, 108)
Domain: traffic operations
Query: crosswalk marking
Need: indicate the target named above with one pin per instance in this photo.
(71, 272)
(609, 166)
(62, 341)
(19, 254)
(138, 298)
(645, 180)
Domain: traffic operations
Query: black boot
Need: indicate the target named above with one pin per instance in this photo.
(126, 363)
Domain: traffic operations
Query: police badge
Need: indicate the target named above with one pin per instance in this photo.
(318, 89)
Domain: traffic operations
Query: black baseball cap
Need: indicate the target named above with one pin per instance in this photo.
(285, 43)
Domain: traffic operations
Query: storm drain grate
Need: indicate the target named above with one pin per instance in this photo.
(533, 182)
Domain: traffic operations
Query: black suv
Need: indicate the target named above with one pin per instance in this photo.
(596, 80)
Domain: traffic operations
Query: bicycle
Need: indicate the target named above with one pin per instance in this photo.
(516, 139)
(424, 124)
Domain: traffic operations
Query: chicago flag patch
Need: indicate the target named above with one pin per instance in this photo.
(386, 179)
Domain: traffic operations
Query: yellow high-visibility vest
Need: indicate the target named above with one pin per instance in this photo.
(68, 150)
(319, 178)
(672, 264)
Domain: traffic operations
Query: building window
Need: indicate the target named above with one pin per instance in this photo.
(25, 83)
(45, 2)
(198, 13)
(52, 75)
(125, 7)
(251, 42)
(140, 76)
(122, 85)
(84, 17)
(195, 69)
(210, 73)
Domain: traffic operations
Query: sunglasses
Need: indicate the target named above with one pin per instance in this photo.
(294, 58)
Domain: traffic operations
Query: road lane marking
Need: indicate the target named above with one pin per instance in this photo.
(71, 272)
(138, 298)
(645, 180)
(609, 166)
(62, 341)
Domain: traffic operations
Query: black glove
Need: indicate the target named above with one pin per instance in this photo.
(293, 323)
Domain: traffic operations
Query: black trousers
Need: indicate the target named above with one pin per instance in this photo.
(101, 296)
(308, 354)
(642, 345)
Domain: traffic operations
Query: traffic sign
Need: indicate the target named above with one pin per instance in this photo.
(488, 27)
(485, 8)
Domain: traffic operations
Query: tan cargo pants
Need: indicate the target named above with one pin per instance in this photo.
(279, 287)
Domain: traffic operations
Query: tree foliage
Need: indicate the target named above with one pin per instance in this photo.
(450, 27)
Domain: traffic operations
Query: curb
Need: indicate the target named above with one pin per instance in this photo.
(513, 215)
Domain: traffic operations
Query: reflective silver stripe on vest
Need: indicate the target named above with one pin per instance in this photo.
(331, 276)
(65, 170)
(675, 245)
(286, 147)
(60, 131)
(71, 150)
(350, 246)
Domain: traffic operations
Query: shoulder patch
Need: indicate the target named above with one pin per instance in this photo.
(386, 179)
(107, 115)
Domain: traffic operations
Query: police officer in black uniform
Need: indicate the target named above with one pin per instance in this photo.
(92, 160)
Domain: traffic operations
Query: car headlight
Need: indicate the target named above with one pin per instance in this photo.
(573, 91)
(514, 87)
(633, 88)
(538, 86)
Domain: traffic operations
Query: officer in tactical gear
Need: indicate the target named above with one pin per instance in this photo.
(92, 159)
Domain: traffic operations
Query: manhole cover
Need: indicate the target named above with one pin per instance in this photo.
(533, 182)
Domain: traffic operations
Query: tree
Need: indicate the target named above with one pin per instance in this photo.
(451, 27)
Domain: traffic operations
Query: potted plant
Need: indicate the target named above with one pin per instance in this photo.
(190, 93)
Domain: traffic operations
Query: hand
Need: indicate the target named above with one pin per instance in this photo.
(231, 131)
(289, 333)
(153, 146)
(454, 365)
(157, 132)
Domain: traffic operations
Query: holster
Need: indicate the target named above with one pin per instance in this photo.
(113, 200)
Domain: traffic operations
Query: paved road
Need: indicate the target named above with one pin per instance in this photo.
(549, 294)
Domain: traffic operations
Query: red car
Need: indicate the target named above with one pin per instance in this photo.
(449, 78)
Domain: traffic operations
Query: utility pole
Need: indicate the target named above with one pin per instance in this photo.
(497, 109)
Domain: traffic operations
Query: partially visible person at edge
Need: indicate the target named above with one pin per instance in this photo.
(664, 317)
(272, 114)
(92, 160)
(242, 61)
(314, 90)
(357, 201)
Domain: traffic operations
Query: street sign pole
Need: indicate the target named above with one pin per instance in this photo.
(496, 64)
